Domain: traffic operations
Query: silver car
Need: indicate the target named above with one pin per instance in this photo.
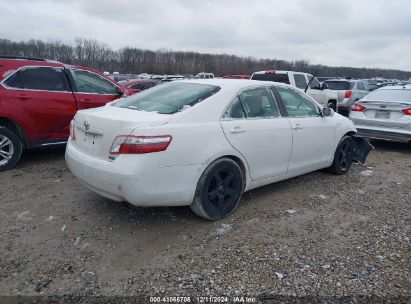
(348, 91)
(384, 114)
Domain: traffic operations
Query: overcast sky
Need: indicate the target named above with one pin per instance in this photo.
(360, 33)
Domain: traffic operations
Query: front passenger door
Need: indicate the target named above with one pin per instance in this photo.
(254, 127)
(313, 135)
(315, 91)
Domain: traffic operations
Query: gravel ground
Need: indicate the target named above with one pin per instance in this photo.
(314, 237)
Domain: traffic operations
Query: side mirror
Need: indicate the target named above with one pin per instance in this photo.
(324, 86)
(327, 112)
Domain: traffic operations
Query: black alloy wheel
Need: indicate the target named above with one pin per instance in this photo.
(219, 190)
(343, 156)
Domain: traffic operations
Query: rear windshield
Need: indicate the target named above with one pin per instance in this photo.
(339, 85)
(168, 98)
(272, 77)
(390, 95)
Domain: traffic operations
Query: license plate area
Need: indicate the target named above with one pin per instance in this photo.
(89, 140)
(382, 114)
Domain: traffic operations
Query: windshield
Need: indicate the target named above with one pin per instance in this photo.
(272, 77)
(390, 95)
(339, 85)
(168, 98)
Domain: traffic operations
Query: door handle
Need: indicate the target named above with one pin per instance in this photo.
(85, 100)
(297, 126)
(236, 130)
(21, 96)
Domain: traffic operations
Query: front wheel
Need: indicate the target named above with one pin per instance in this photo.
(343, 156)
(10, 149)
(219, 190)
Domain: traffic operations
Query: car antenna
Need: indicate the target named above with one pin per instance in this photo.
(309, 82)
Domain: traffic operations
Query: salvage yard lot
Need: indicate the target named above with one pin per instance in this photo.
(314, 235)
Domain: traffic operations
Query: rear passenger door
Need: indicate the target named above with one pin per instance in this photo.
(92, 90)
(42, 95)
(313, 135)
(254, 127)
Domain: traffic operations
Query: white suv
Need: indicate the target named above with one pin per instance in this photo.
(300, 80)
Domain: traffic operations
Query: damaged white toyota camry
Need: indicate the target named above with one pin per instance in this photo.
(204, 142)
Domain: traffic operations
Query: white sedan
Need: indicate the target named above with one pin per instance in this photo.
(204, 142)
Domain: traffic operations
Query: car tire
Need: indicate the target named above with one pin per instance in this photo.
(10, 149)
(343, 156)
(332, 105)
(219, 190)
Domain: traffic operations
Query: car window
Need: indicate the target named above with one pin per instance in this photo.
(300, 81)
(394, 95)
(253, 103)
(235, 110)
(150, 84)
(169, 98)
(339, 85)
(272, 77)
(138, 86)
(296, 104)
(14, 81)
(314, 83)
(360, 85)
(39, 78)
(88, 82)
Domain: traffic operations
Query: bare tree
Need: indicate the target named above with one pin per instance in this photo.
(92, 53)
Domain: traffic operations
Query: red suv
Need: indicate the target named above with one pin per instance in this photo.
(38, 99)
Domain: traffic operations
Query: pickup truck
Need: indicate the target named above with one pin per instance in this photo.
(300, 80)
(39, 98)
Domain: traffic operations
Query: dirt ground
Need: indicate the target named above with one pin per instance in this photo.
(314, 236)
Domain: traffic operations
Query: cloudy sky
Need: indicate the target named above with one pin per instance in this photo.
(360, 33)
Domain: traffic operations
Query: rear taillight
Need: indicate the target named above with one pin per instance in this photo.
(73, 130)
(357, 108)
(406, 111)
(128, 144)
(348, 94)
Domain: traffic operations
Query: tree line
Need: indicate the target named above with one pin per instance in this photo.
(100, 56)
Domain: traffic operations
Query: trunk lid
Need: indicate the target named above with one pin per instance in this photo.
(385, 114)
(95, 129)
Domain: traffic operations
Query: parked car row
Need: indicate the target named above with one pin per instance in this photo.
(145, 132)
(38, 97)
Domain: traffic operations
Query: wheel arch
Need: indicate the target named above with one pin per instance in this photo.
(16, 128)
(332, 100)
(242, 163)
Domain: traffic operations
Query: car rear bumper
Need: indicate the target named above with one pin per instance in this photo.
(136, 179)
(384, 133)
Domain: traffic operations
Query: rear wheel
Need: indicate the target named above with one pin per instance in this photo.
(10, 149)
(219, 190)
(332, 105)
(343, 156)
